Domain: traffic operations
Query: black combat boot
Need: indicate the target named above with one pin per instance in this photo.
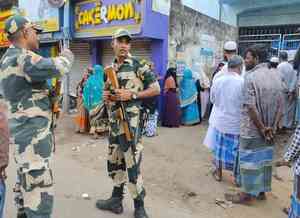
(140, 212)
(139, 209)
(114, 203)
(21, 214)
(20, 203)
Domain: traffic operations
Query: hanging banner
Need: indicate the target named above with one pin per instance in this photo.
(96, 18)
(3, 38)
(42, 13)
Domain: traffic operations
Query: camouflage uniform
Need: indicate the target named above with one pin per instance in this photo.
(124, 160)
(23, 75)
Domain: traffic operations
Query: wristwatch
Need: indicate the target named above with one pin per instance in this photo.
(134, 96)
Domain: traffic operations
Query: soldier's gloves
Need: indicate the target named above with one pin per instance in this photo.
(68, 54)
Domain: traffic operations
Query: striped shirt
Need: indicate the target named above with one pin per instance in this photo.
(293, 152)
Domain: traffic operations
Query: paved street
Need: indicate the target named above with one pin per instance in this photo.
(176, 174)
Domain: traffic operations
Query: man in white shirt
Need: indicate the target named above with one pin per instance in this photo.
(289, 78)
(230, 49)
(226, 95)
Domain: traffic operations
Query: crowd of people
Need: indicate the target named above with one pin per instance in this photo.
(254, 99)
(185, 98)
(185, 101)
(249, 100)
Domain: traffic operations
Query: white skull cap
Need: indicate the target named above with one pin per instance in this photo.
(274, 60)
(230, 46)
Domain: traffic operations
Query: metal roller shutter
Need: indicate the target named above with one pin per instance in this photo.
(139, 48)
(82, 54)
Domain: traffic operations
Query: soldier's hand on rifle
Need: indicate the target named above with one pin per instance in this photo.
(123, 94)
(106, 95)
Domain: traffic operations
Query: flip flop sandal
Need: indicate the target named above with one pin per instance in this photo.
(233, 181)
(222, 203)
(238, 199)
(217, 174)
(261, 197)
(286, 210)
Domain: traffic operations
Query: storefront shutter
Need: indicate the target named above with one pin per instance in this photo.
(139, 48)
(82, 54)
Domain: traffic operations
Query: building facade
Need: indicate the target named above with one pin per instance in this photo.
(197, 35)
(38, 11)
(6, 10)
(50, 18)
(274, 24)
(93, 23)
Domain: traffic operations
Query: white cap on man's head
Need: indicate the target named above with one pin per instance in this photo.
(230, 46)
(274, 60)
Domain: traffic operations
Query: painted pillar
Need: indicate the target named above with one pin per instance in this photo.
(66, 23)
(96, 46)
(156, 27)
(94, 52)
(66, 38)
(160, 59)
(99, 54)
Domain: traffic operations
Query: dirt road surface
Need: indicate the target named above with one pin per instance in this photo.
(176, 171)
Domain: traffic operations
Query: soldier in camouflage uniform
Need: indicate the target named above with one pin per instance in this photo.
(23, 75)
(137, 82)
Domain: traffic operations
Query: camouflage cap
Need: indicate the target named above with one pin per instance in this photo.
(16, 22)
(121, 33)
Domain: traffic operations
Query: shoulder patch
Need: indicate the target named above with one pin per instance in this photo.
(13, 27)
(143, 61)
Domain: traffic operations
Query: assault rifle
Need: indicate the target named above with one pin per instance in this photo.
(120, 112)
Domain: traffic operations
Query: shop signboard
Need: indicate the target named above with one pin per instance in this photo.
(3, 37)
(42, 13)
(100, 18)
